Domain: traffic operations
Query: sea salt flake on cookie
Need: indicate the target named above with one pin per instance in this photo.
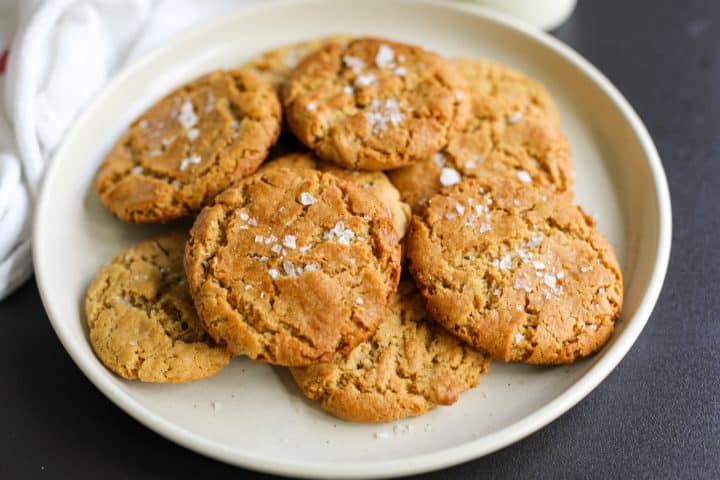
(515, 117)
(289, 241)
(307, 199)
(385, 57)
(449, 176)
(193, 159)
(524, 176)
(187, 117)
(354, 63)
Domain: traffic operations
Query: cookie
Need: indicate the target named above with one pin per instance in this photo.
(375, 104)
(514, 131)
(190, 146)
(407, 368)
(515, 270)
(277, 64)
(141, 318)
(292, 265)
(375, 183)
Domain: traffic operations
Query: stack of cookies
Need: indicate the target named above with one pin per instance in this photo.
(378, 218)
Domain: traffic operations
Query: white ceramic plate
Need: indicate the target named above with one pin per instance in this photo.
(264, 423)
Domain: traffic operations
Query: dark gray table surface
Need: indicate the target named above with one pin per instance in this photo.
(656, 416)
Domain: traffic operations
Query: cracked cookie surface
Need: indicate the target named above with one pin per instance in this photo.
(291, 266)
(189, 146)
(141, 318)
(514, 131)
(517, 271)
(376, 183)
(407, 368)
(277, 64)
(375, 104)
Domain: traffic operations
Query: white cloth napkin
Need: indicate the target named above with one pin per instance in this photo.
(61, 53)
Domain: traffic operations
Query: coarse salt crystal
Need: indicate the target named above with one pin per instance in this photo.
(450, 216)
(307, 199)
(348, 90)
(311, 107)
(353, 63)
(271, 239)
(439, 159)
(385, 57)
(459, 96)
(381, 114)
(289, 268)
(193, 134)
(538, 265)
(248, 287)
(497, 292)
(263, 259)
(524, 176)
(505, 262)
(244, 216)
(289, 241)
(305, 248)
(459, 208)
(522, 285)
(187, 117)
(515, 117)
(365, 80)
(550, 281)
(586, 268)
(274, 273)
(400, 71)
(193, 159)
(536, 240)
(449, 176)
(259, 239)
(137, 170)
(359, 301)
(277, 248)
(560, 275)
(311, 267)
(519, 337)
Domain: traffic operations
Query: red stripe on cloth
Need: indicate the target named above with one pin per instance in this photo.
(3, 61)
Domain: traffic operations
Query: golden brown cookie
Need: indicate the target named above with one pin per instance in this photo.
(408, 367)
(515, 270)
(141, 317)
(514, 131)
(277, 64)
(375, 183)
(292, 265)
(375, 104)
(190, 146)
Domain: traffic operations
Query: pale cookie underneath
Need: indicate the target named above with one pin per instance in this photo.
(408, 367)
(141, 318)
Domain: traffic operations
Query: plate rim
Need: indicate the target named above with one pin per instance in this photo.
(423, 462)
